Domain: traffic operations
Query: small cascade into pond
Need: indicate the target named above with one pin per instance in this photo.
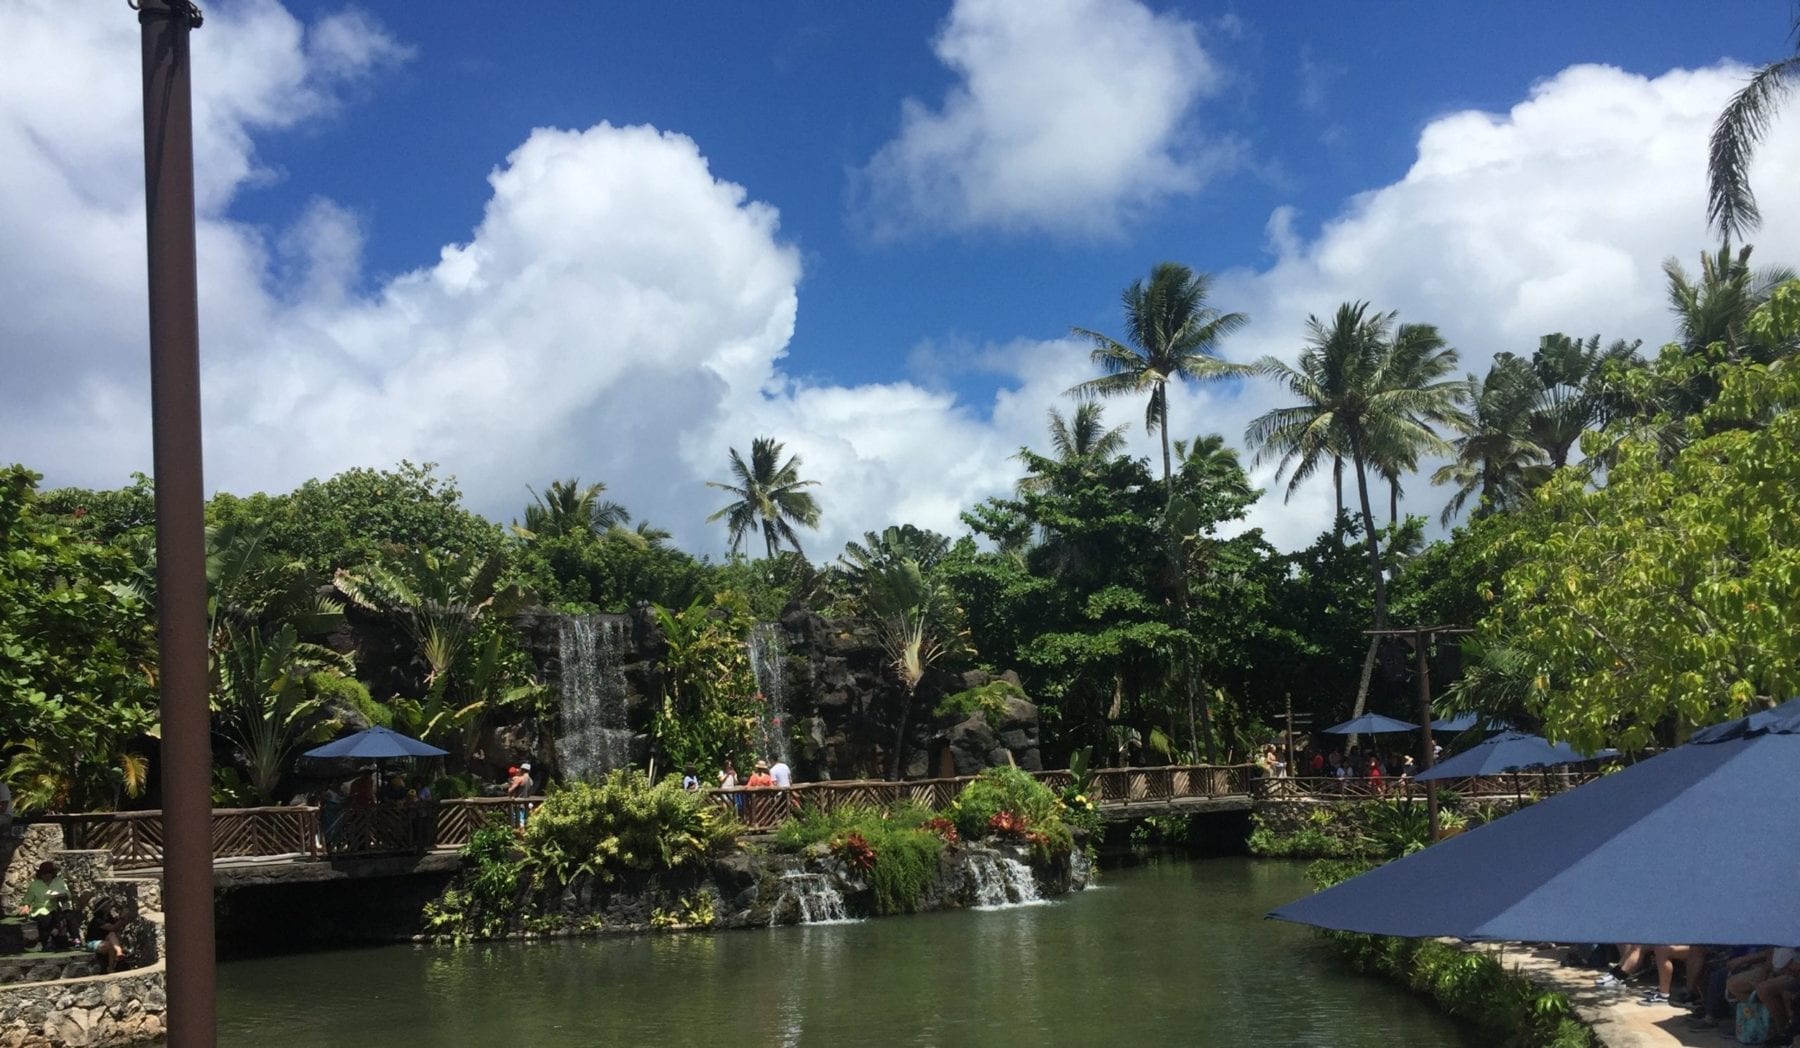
(997, 881)
(809, 898)
(768, 661)
(595, 736)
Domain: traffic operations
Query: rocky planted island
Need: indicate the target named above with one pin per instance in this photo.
(628, 855)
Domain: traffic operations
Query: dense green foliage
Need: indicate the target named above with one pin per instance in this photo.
(710, 704)
(483, 903)
(622, 824)
(77, 659)
(893, 849)
(1035, 811)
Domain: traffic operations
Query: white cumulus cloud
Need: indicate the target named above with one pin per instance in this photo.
(1067, 115)
(618, 312)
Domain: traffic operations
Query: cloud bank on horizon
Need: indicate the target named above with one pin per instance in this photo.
(620, 313)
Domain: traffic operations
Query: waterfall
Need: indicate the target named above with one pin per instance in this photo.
(768, 661)
(595, 736)
(809, 898)
(996, 881)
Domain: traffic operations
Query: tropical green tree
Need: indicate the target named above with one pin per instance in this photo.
(77, 660)
(1358, 383)
(1667, 599)
(1171, 333)
(769, 498)
(1495, 460)
(1731, 205)
(444, 603)
(917, 623)
(565, 507)
(1714, 307)
(708, 709)
(265, 709)
(1573, 375)
(1082, 439)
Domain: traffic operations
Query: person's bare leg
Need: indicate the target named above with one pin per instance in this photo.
(1665, 968)
(1769, 993)
(1632, 956)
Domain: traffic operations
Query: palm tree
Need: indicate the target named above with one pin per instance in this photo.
(1414, 362)
(1496, 459)
(1082, 440)
(1717, 306)
(567, 508)
(768, 498)
(1362, 392)
(1173, 335)
(1730, 205)
(1571, 374)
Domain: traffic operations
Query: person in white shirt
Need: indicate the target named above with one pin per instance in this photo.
(781, 773)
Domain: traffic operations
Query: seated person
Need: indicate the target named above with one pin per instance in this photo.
(102, 937)
(1777, 991)
(1634, 959)
(45, 898)
(1692, 960)
(394, 791)
(1746, 973)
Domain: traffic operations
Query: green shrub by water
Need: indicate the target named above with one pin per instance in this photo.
(483, 901)
(623, 823)
(1008, 789)
(905, 854)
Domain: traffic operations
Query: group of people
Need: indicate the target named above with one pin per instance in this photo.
(1766, 979)
(761, 775)
(1355, 764)
(367, 791)
(50, 906)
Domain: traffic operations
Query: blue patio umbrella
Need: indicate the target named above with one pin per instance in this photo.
(1694, 845)
(1507, 751)
(374, 744)
(1371, 724)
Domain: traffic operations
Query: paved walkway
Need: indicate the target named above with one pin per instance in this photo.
(1614, 1014)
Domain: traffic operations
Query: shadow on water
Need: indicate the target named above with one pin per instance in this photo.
(1169, 952)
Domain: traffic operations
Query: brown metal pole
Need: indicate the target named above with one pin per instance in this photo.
(180, 522)
(1422, 642)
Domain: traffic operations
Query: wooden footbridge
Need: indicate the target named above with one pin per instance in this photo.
(317, 843)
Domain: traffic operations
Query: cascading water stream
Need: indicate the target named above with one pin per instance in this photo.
(997, 881)
(810, 898)
(595, 736)
(768, 662)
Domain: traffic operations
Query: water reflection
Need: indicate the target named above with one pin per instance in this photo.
(1171, 953)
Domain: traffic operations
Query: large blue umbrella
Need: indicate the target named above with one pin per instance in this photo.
(375, 744)
(1507, 751)
(1694, 845)
(1371, 724)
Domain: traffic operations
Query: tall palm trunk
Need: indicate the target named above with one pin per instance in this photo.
(1181, 580)
(1375, 573)
(1393, 501)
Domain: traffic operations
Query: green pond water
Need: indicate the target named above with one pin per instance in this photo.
(1175, 952)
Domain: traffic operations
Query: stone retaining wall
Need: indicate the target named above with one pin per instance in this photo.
(91, 1012)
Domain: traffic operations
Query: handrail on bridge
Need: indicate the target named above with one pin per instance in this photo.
(311, 833)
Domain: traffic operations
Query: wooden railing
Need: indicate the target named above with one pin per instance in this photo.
(309, 833)
(1515, 785)
(765, 808)
(299, 832)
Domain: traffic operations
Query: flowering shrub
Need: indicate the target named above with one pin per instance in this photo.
(1006, 824)
(854, 849)
(943, 828)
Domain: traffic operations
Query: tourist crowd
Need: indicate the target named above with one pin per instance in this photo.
(1755, 989)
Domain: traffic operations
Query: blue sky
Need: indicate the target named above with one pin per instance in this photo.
(866, 228)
